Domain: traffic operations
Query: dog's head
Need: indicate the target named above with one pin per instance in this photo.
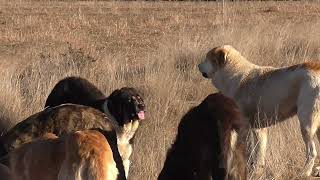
(215, 59)
(126, 105)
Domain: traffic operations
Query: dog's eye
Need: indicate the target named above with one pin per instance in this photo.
(141, 106)
(139, 99)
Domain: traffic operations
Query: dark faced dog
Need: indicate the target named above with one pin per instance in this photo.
(61, 120)
(123, 104)
(124, 107)
(205, 144)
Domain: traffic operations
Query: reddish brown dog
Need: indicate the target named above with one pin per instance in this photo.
(80, 155)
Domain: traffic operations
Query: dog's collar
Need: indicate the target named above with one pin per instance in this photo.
(108, 114)
(123, 136)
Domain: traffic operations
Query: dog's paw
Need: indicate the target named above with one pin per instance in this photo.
(316, 172)
(257, 172)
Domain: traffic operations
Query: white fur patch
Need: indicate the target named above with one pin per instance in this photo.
(113, 172)
(233, 143)
(124, 135)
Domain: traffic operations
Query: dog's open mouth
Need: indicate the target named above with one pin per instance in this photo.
(141, 115)
(205, 75)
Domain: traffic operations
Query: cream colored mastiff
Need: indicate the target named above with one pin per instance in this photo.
(268, 93)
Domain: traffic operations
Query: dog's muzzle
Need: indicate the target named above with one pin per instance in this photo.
(140, 111)
(203, 73)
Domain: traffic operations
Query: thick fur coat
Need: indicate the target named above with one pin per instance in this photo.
(74, 90)
(267, 95)
(81, 155)
(206, 144)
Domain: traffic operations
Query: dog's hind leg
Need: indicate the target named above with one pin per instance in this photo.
(308, 117)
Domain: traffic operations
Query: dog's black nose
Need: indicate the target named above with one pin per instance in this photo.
(205, 75)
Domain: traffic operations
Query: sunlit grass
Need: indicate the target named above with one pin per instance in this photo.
(154, 47)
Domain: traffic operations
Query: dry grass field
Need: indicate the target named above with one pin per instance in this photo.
(155, 47)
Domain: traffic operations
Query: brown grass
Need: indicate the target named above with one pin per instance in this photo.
(155, 47)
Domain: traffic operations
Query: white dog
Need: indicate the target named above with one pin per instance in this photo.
(265, 93)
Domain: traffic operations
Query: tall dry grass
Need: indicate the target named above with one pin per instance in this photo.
(155, 47)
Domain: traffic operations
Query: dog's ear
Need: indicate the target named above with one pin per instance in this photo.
(221, 56)
(115, 106)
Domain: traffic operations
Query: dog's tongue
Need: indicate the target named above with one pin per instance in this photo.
(141, 115)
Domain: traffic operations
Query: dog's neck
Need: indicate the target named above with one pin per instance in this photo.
(113, 120)
(125, 133)
(228, 78)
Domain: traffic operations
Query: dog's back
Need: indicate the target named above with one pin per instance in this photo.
(58, 120)
(80, 155)
(74, 90)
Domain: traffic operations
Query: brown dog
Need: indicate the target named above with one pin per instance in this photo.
(205, 147)
(80, 155)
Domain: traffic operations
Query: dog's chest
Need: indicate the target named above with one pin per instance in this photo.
(124, 135)
(125, 150)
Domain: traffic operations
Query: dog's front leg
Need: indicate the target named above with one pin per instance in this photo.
(261, 135)
(126, 164)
